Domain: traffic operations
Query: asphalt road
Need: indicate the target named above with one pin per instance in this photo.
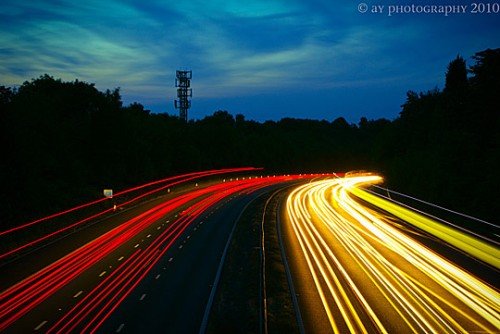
(150, 268)
(18, 268)
(359, 270)
(173, 297)
(47, 312)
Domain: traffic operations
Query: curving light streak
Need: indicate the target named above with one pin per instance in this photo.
(183, 177)
(370, 276)
(19, 300)
(466, 242)
(164, 184)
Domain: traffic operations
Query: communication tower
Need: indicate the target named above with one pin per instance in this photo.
(183, 82)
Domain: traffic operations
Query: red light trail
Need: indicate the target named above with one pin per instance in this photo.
(179, 180)
(98, 304)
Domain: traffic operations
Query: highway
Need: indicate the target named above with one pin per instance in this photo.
(153, 268)
(173, 297)
(358, 269)
(358, 263)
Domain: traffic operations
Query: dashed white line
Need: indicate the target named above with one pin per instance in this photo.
(142, 297)
(148, 235)
(77, 294)
(102, 274)
(136, 246)
(189, 236)
(157, 276)
(121, 258)
(120, 328)
(180, 246)
(41, 325)
(195, 228)
(170, 260)
(158, 227)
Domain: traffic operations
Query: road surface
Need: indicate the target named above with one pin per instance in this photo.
(173, 297)
(359, 270)
(356, 267)
(152, 270)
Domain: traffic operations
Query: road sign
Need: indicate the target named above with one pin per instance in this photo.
(108, 193)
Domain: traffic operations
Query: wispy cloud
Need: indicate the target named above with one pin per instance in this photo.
(55, 39)
(234, 48)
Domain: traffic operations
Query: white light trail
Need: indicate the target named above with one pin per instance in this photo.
(374, 275)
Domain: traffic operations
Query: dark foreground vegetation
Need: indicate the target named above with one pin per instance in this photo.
(238, 303)
(63, 142)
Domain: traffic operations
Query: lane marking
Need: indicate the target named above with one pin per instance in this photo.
(189, 236)
(195, 228)
(41, 325)
(120, 328)
(208, 307)
(103, 273)
(180, 246)
(157, 276)
(142, 297)
(170, 260)
(148, 235)
(158, 227)
(136, 246)
(121, 258)
(77, 294)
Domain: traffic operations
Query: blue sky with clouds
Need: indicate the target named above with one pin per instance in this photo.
(265, 59)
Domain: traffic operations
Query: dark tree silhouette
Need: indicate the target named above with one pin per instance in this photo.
(63, 142)
(456, 77)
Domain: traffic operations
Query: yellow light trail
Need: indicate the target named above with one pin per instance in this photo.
(467, 243)
(371, 276)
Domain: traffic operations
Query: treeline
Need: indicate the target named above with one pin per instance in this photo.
(63, 142)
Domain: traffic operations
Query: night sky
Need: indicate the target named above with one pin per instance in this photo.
(264, 59)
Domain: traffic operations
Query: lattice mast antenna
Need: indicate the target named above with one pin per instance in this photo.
(183, 82)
